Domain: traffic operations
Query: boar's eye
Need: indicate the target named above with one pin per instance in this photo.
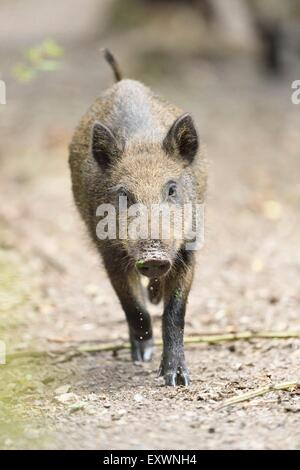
(172, 190)
(122, 192)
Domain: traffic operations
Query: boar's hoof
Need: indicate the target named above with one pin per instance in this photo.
(175, 376)
(141, 350)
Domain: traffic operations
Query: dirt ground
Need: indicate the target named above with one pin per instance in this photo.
(55, 294)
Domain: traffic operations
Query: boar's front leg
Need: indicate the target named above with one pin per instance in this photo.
(177, 287)
(126, 283)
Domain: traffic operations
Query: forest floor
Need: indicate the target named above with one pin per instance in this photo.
(55, 294)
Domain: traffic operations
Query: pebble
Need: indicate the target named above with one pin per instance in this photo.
(66, 397)
(63, 389)
(138, 397)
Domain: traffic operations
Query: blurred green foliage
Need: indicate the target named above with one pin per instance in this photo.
(13, 290)
(129, 14)
(44, 57)
(21, 387)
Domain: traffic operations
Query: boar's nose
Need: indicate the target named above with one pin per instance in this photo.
(153, 267)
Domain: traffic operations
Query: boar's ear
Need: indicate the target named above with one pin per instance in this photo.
(182, 138)
(105, 147)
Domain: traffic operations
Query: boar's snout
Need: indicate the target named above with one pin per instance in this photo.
(153, 267)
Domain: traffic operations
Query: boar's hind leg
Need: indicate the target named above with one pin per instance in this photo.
(177, 289)
(127, 287)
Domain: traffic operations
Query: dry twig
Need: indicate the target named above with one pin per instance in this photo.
(189, 340)
(290, 386)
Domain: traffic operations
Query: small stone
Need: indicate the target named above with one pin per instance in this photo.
(90, 411)
(88, 326)
(273, 300)
(91, 290)
(138, 397)
(94, 397)
(77, 406)
(272, 210)
(67, 397)
(63, 389)
(257, 265)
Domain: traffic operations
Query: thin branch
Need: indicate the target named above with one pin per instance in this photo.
(290, 386)
(189, 341)
(206, 339)
(244, 335)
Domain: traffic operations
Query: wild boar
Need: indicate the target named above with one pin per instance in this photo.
(132, 144)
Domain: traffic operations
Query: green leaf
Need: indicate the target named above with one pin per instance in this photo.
(34, 54)
(52, 49)
(23, 73)
(140, 263)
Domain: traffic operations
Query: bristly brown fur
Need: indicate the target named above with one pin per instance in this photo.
(132, 139)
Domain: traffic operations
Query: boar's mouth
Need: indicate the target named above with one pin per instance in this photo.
(153, 267)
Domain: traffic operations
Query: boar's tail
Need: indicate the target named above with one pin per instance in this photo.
(113, 63)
